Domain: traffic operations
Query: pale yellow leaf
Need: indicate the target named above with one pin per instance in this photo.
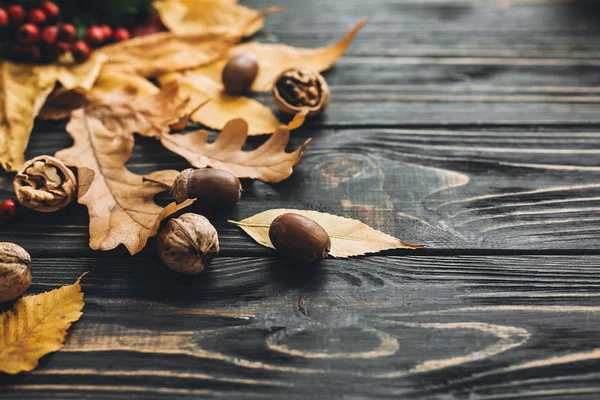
(197, 16)
(131, 84)
(222, 107)
(349, 237)
(37, 325)
(23, 91)
(120, 203)
(273, 59)
(269, 162)
(165, 52)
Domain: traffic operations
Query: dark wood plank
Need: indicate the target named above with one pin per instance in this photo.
(384, 327)
(496, 189)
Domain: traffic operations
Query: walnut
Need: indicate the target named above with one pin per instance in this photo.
(298, 90)
(45, 184)
(15, 271)
(188, 244)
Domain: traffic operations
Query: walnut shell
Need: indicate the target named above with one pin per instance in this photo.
(45, 184)
(188, 244)
(15, 271)
(297, 90)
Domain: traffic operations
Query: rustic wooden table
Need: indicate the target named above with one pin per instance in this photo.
(469, 125)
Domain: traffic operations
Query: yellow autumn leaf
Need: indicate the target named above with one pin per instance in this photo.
(197, 16)
(165, 52)
(273, 59)
(349, 237)
(221, 107)
(111, 80)
(36, 326)
(269, 162)
(23, 92)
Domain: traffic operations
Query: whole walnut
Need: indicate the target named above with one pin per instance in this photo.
(188, 244)
(15, 271)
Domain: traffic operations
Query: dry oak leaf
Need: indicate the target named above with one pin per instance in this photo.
(23, 91)
(165, 52)
(36, 326)
(124, 114)
(268, 163)
(349, 237)
(273, 59)
(120, 203)
(62, 102)
(197, 16)
(222, 107)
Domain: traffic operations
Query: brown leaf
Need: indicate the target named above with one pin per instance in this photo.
(23, 91)
(198, 16)
(269, 162)
(165, 52)
(124, 114)
(36, 326)
(349, 237)
(120, 203)
(273, 59)
(221, 107)
(61, 103)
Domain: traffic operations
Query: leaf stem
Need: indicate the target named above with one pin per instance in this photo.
(248, 225)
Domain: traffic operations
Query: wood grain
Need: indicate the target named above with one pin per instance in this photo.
(372, 327)
(471, 126)
(466, 189)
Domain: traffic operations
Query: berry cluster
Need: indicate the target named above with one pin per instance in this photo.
(36, 34)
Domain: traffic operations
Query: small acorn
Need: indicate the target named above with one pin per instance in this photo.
(299, 238)
(211, 187)
(239, 74)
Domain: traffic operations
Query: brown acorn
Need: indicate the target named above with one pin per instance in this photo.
(299, 238)
(210, 187)
(239, 74)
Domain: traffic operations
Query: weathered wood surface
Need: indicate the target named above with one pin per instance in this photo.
(472, 126)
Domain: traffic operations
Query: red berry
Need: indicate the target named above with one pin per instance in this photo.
(120, 35)
(28, 34)
(49, 35)
(67, 33)
(81, 51)
(17, 14)
(61, 48)
(8, 210)
(37, 16)
(3, 18)
(51, 10)
(107, 31)
(95, 36)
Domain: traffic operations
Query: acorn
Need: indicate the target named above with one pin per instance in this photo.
(240, 73)
(211, 187)
(299, 238)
